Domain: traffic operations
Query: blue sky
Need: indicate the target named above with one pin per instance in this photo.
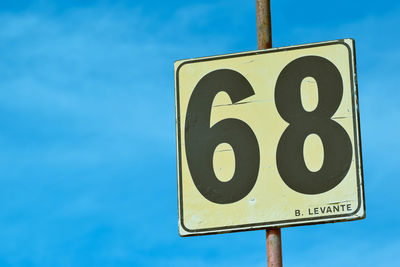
(87, 158)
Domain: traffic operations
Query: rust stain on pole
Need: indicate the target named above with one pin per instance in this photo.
(264, 41)
(274, 247)
(264, 36)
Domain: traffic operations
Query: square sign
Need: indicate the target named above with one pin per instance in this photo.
(268, 138)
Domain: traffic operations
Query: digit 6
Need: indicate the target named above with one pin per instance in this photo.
(201, 140)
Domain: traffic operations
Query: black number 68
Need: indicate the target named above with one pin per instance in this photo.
(201, 139)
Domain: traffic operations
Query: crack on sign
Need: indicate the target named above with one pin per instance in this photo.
(223, 150)
(240, 103)
(343, 117)
(336, 203)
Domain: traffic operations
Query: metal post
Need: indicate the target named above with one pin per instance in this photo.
(264, 36)
(264, 41)
(274, 247)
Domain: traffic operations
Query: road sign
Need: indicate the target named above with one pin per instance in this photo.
(268, 138)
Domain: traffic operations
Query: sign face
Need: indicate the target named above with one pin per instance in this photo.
(268, 138)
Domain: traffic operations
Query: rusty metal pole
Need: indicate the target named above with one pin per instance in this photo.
(264, 36)
(274, 247)
(264, 41)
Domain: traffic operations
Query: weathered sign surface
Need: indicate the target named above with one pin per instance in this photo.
(268, 138)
